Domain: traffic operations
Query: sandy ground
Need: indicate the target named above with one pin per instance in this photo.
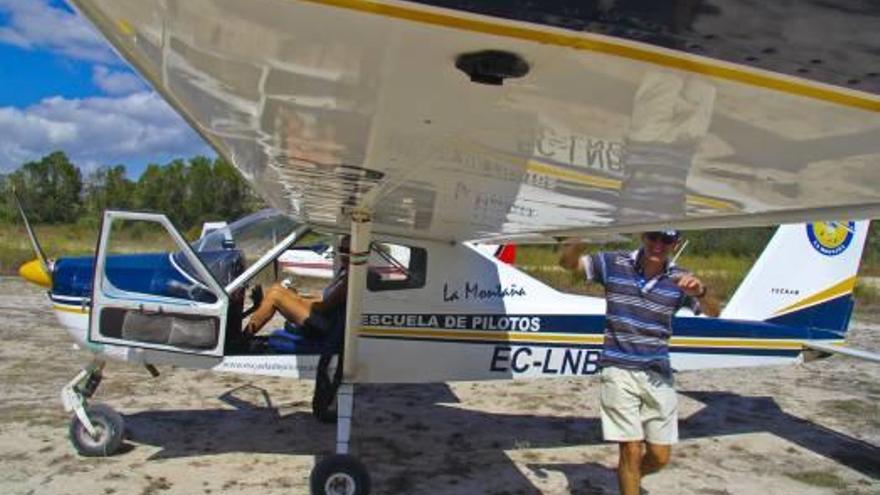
(810, 429)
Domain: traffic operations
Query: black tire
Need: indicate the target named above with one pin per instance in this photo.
(339, 474)
(110, 428)
(326, 386)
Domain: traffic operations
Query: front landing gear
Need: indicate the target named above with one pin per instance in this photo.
(96, 430)
(339, 474)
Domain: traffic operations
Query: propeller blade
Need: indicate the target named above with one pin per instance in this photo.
(38, 250)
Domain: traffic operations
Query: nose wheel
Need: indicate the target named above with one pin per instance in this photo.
(108, 429)
(96, 430)
(339, 474)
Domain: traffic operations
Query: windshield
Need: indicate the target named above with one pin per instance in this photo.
(231, 249)
(253, 235)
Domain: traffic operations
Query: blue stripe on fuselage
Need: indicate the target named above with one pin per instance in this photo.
(684, 326)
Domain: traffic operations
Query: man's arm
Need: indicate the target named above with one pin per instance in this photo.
(694, 287)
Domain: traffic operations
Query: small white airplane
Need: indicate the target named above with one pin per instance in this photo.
(449, 312)
(427, 124)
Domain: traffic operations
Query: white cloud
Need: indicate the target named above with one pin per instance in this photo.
(128, 129)
(116, 82)
(35, 24)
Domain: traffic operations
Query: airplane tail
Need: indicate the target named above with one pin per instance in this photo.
(805, 277)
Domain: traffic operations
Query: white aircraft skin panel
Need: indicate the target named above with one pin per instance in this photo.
(76, 322)
(378, 115)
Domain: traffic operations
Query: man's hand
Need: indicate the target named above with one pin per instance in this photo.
(570, 254)
(691, 285)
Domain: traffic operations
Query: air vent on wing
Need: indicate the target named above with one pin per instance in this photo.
(491, 67)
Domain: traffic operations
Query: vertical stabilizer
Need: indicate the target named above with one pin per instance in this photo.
(805, 276)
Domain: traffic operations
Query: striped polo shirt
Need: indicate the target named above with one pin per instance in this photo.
(638, 316)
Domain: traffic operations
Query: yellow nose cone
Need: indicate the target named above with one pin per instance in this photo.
(33, 272)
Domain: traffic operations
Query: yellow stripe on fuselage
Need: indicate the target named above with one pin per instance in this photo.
(574, 339)
(70, 309)
(836, 290)
(629, 50)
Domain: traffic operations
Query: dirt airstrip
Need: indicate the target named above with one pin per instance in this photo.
(809, 429)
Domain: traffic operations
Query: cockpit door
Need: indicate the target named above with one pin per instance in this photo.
(151, 290)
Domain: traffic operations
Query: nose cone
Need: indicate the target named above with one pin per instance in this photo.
(33, 272)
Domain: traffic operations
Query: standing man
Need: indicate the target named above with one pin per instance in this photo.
(643, 290)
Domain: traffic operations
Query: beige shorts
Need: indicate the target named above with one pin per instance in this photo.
(638, 405)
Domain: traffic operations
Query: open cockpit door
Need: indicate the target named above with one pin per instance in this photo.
(151, 290)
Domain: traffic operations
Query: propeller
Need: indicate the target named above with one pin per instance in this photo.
(39, 270)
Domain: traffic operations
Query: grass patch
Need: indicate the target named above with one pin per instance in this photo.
(858, 410)
(822, 479)
(722, 273)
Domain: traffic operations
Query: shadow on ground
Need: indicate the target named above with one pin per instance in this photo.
(416, 440)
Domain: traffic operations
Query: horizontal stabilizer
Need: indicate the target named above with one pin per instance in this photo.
(846, 351)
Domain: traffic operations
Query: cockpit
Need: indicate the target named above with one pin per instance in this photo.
(156, 289)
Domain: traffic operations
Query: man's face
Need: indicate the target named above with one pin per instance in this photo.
(658, 246)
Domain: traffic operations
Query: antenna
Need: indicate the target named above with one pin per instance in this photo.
(680, 250)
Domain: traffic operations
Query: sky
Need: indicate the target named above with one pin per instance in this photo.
(62, 87)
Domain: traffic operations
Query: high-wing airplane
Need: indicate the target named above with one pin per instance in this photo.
(433, 122)
(445, 312)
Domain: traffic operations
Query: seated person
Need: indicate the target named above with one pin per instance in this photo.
(311, 312)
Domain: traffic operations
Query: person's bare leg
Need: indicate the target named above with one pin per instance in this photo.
(629, 468)
(286, 302)
(293, 307)
(656, 457)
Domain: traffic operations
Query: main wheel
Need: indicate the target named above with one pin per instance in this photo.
(109, 428)
(339, 475)
(326, 386)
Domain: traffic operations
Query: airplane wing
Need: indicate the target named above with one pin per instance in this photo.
(460, 120)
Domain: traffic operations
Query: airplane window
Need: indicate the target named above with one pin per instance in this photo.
(143, 258)
(229, 250)
(396, 267)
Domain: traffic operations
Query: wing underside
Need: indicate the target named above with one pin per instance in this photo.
(330, 105)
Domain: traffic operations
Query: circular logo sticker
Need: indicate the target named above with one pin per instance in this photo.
(830, 238)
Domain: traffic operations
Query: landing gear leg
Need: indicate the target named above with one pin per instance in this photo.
(95, 430)
(342, 473)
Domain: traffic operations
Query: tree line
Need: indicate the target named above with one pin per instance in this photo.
(190, 192)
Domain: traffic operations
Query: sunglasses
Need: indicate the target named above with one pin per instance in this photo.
(661, 237)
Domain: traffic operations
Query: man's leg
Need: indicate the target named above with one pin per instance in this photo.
(276, 297)
(660, 415)
(629, 468)
(656, 456)
(621, 423)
